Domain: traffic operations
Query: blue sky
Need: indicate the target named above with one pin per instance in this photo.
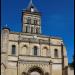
(57, 18)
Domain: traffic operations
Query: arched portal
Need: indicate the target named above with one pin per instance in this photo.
(35, 71)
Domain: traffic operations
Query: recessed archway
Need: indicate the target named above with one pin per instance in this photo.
(35, 71)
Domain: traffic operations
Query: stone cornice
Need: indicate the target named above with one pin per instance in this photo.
(35, 56)
(36, 41)
(25, 61)
(39, 35)
(27, 12)
(33, 24)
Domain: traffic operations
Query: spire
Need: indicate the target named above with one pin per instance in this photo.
(31, 1)
(31, 6)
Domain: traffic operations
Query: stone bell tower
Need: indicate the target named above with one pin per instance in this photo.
(31, 20)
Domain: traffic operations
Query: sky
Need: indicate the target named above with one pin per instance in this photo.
(57, 18)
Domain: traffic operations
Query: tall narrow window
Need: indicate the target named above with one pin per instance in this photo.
(56, 53)
(32, 30)
(13, 49)
(24, 50)
(37, 30)
(35, 22)
(29, 21)
(35, 50)
(27, 29)
(45, 51)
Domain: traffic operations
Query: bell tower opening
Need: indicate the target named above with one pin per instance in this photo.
(31, 20)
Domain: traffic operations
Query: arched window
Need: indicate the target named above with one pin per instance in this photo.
(35, 22)
(32, 30)
(13, 49)
(28, 20)
(35, 50)
(56, 52)
(45, 51)
(37, 30)
(27, 29)
(24, 50)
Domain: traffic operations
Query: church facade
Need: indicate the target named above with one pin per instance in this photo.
(29, 52)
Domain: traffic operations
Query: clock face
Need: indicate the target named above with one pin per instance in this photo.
(32, 9)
